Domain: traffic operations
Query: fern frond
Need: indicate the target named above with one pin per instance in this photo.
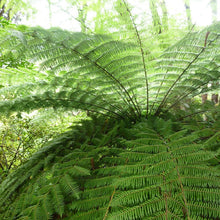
(58, 200)
(142, 54)
(196, 67)
(90, 57)
(165, 174)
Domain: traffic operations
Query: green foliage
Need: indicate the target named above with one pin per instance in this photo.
(23, 135)
(8, 58)
(134, 158)
(9, 8)
(147, 170)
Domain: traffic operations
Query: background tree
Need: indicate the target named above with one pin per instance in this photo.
(165, 14)
(214, 8)
(188, 13)
(82, 8)
(13, 9)
(214, 97)
(155, 16)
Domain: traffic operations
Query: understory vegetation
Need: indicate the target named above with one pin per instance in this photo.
(110, 126)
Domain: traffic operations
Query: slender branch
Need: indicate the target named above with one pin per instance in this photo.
(117, 107)
(1, 165)
(82, 22)
(15, 155)
(3, 140)
(182, 189)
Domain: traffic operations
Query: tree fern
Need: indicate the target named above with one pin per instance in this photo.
(128, 161)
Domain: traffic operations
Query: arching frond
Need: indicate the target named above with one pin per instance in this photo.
(98, 64)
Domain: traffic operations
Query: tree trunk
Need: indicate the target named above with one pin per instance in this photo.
(204, 98)
(50, 12)
(165, 14)
(215, 98)
(155, 16)
(213, 4)
(99, 20)
(2, 11)
(188, 13)
(82, 14)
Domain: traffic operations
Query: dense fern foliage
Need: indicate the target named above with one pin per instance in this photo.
(152, 170)
(130, 160)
